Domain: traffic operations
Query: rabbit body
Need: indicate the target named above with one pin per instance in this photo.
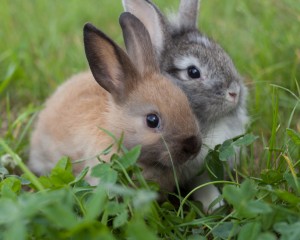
(207, 75)
(121, 94)
(69, 124)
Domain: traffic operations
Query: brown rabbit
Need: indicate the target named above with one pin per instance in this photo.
(129, 96)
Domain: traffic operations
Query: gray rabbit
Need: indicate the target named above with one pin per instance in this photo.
(206, 74)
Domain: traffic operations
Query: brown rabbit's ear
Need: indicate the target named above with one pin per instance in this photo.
(109, 64)
(152, 19)
(188, 13)
(138, 43)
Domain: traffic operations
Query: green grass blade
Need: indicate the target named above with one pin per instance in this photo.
(23, 167)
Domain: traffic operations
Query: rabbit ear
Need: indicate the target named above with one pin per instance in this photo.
(151, 17)
(138, 43)
(188, 13)
(110, 65)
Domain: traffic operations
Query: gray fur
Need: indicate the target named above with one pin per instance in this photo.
(182, 43)
(188, 12)
(206, 98)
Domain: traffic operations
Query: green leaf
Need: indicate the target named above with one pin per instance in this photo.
(9, 211)
(232, 195)
(3, 172)
(267, 236)
(54, 212)
(295, 136)
(96, 203)
(115, 189)
(190, 216)
(226, 150)
(60, 177)
(137, 230)
(45, 181)
(105, 173)
(196, 237)
(93, 230)
(214, 166)
(271, 176)
(10, 187)
(65, 164)
(61, 174)
(288, 197)
(16, 231)
(243, 199)
(224, 230)
(250, 231)
(245, 140)
(8, 78)
(130, 158)
(114, 208)
(23, 180)
(292, 181)
(288, 231)
(120, 219)
(235, 195)
(258, 207)
(143, 198)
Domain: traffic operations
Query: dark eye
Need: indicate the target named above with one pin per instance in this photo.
(193, 72)
(153, 120)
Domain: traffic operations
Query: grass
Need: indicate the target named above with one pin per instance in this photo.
(41, 46)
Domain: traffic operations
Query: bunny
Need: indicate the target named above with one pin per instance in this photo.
(122, 94)
(207, 75)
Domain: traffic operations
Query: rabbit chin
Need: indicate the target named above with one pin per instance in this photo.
(163, 176)
(159, 165)
(164, 155)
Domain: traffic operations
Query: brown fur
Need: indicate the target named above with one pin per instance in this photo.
(69, 124)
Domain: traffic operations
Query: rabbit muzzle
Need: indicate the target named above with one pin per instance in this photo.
(191, 146)
(166, 151)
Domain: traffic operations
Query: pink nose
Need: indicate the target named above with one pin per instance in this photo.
(232, 94)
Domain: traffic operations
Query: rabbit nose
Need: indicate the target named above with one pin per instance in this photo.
(232, 94)
(191, 145)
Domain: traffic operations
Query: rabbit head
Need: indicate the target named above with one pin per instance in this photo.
(145, 105)
(193, 61)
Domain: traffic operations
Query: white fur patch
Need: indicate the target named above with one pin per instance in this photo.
(185, 61)
(199, 39)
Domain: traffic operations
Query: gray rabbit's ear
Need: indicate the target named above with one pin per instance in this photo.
(138, 44)
(188, 13)
(151, 17)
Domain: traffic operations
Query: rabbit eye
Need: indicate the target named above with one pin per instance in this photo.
(193, 72)
(153, 120)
